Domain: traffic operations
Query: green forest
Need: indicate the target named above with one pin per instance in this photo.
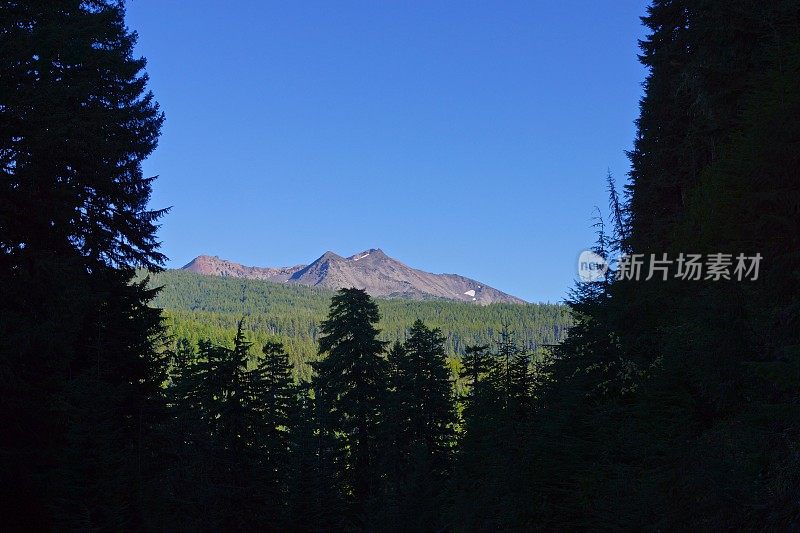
(198, 307)
(658, 404)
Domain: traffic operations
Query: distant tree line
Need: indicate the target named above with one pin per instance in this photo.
(206, 307)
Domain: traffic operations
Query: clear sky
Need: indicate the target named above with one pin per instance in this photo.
(459, 137)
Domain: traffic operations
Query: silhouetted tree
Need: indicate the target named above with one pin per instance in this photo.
(475, 365)
(83, 361)
(275, 396)
(352, 381)
(423, 414)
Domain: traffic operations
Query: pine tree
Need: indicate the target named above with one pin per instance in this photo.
(182, 382)
(305, 485)
(83, 362)
(353, 382)
(395, 429)
(222, 407)
(424, 413)
(478, 474)
(188, 437)
(475, 365)
(493, 463)
(181, 392)
(425, 389)
(505, 352)
(235, 438)
(647, 399)
(275, 396)
(522, 382)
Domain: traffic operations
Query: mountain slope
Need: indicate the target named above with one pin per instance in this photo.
(373, 270)
(214, 266)
(210, 307)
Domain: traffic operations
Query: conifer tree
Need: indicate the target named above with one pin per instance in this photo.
(352, 380)
(183, 357)
(275, 396)
(181, 392)
(425, 390)
(645, 400)
(83, 364)
(505, 353)
(424, 412)
(220, 395)
(522, 381)
(304, 483)
(394, 428)
(475, 364)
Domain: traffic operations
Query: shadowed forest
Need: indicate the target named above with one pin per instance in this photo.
(209, 308)
(648, 404)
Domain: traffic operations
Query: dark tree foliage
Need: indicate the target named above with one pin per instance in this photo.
(506, 351)
(394, 428)
(82, 365)
(223, 390)
(315, 492)
(423, 390)
(233, 446)
(521, 383)
(353, 382)
(209, 307)
(672, 404)
(422, 414)
(476, 363)
(489, 474)
(77, 123)
(275, 396)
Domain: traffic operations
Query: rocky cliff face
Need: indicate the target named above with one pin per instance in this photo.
(372, 270)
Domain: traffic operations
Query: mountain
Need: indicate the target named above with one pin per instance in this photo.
(210, 307)
(373, 270)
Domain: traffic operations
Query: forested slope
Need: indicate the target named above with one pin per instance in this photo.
(208, 307)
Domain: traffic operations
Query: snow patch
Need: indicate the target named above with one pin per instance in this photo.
(360, 257)
(470, 293)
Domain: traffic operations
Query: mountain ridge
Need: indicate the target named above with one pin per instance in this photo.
(373, 270)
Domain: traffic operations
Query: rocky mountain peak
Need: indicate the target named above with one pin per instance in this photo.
(379, 274)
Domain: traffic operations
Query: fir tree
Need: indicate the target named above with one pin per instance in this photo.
(425, 390)
(522, 381)
(475, 365)
(505, 352)
(275, 396)
(424, 414)
(353, 382)
(83, 362)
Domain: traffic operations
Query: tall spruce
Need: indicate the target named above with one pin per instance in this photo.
(424, 416)
(82, 364)
(489, 475)
(275, 396)
(221, 400)
(505, 353)
(352, 383)
(475, 365)
(672, 387)
(424, 391)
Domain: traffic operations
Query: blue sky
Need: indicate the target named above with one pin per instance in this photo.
(459, 137)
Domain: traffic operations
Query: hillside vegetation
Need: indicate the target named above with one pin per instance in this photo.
(208, 307)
